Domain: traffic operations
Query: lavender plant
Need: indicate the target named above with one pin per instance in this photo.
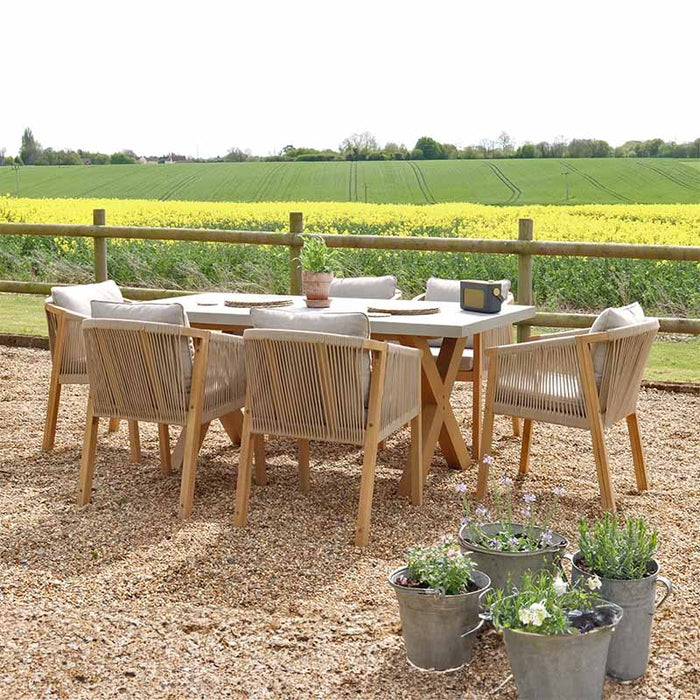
(613, 550)
(535, 521)
(441, 566)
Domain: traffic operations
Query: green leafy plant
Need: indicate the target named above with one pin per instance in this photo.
(535, 520)
(613, 550)
(545, 604)
(316, 256)
(442, 567)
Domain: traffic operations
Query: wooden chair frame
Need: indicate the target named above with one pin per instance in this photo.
(59, 322)
(594, 417)
(193, 433)
(375, 430)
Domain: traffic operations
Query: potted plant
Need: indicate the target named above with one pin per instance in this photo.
(557, 636)
(504, 549)
(622, 559)
(318, 263)
(439, 595)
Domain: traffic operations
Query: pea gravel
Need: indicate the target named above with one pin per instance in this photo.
(122, 599)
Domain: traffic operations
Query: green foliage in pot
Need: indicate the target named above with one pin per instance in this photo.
(316, 256)
(441, 567)
(613, 550)
(545, 604)
(534, 517)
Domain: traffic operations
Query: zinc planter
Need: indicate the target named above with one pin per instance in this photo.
(559, 665)
(629, 651)
(439, 630)
(317, 288)
(498, 565)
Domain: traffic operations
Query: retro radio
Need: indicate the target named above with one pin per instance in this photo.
(484, 297)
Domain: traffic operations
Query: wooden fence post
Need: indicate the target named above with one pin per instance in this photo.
(296, 226)
(99, 218)
(525, 233)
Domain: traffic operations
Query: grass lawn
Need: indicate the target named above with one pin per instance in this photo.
(670, 361)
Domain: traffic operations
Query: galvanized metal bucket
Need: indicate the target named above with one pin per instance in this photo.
(629, 651)
(498, 565)
(557, 666)
(439, 630)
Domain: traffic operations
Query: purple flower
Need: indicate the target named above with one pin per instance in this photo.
(526, 512)
(506, 481)
(466, 520)
(487, 459)
(558, 491)
(461, 488)
(546, 537)
(529, 498)
(481, 511)
(513, 541)
(495, 544)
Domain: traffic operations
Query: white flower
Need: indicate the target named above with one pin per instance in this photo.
(560, 586)
(535, 615)
(525, 616)
(593, 583)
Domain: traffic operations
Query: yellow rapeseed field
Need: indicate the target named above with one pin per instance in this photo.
(639, 223)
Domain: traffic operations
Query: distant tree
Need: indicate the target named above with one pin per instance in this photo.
(696, 148)
(121, 159)
(487, 147)
(416, 154)
(557, 149)
(394, 151)
(31, 148)
(527, 150)
(130, 154)
(2, 156)
(506, 144)
(430, 148)
(236, 155)
(358, 146)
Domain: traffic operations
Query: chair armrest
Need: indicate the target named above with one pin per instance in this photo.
(420, 297)
(225, 382)
(402, 379)
(398, 294)
(561, 334)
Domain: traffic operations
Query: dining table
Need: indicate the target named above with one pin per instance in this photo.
(410, 323)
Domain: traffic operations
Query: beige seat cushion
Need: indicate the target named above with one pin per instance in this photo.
(364, 287)
(171, 313)
(613, 317)
(466, 363)
(77, 298)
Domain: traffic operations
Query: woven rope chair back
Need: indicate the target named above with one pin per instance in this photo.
(626, 355)
(307, 385)
(73, 369)
(139, 371)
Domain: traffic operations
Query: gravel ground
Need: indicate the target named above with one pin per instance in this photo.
(120, 598)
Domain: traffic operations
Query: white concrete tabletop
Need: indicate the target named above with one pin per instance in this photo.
(451, 322)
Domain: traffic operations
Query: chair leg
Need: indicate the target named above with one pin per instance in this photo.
(233, 424)
(113, 426)
(245, 467)
(601, 460)
(304, 471)
(194, 437)
(416, 457)
(525, 447)
(364, 513)
(134, 441)
(51, 415)
(166, 466)
(382, 445)
(640, 467)
(516, 426)
(87, 460)
(260, 472)
(486, 441)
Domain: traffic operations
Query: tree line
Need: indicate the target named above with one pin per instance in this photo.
(364, 146)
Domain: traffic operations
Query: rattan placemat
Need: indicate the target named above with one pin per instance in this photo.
(248, 301)
(403, 309)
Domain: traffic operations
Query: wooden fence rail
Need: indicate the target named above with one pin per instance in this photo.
(525, 247)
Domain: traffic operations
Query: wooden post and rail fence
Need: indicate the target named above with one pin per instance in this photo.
(525, 247)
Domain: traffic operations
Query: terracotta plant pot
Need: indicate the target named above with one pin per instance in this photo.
(317, 288)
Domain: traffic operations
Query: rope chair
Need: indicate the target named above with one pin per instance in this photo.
(68, 365)
(553, 379)
(332, 388)
(160, 373)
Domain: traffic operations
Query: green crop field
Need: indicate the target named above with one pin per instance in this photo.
(499, 182)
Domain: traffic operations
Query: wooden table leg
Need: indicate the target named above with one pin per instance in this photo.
(477, 370)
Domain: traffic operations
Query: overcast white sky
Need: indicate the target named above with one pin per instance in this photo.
(204, 76)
